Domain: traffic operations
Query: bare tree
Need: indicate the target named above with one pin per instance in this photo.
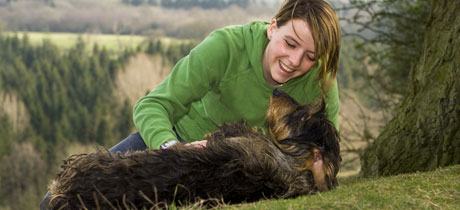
(389, 37)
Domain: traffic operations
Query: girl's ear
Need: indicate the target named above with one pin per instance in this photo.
(271, 28)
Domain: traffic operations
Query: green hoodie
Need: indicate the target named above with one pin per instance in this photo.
(220, 81)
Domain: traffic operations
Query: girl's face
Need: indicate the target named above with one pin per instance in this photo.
(288, 55)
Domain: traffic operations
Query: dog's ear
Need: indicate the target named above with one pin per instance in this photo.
(332, 145)
(319, 107)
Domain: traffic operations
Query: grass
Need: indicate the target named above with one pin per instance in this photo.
(111, 42)
(438, 189)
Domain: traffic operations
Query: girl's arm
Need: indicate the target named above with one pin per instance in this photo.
(191, 78)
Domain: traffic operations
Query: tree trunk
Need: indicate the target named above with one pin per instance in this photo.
(425, 133)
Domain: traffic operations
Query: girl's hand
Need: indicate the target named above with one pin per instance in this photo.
(198, 144)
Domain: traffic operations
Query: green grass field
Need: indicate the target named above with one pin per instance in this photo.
(439, 189)
(111, 42)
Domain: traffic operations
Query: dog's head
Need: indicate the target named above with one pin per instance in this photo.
(304, 131)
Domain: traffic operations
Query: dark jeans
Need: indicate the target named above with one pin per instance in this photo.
(133, 142)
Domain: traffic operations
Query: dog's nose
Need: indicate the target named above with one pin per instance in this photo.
(276, 92)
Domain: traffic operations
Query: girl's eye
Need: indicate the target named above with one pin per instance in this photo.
(310, 58)
(289, 44)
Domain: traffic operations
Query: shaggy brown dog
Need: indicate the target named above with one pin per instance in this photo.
(300, 156)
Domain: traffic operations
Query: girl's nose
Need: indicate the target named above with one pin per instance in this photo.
(296, 58)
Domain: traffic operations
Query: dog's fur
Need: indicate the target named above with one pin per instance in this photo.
(299, 156)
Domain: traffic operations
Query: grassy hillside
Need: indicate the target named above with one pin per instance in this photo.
(439, 189)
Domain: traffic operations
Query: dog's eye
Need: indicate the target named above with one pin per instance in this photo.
(305, 118)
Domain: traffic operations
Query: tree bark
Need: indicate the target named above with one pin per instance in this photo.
(425, 133)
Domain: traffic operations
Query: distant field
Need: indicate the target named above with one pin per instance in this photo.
(111, 42)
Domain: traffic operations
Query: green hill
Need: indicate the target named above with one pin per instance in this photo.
(438, 189)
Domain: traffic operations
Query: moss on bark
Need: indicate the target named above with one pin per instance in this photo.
(425, 133)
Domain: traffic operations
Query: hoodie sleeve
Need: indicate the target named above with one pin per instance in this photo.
(191, 78)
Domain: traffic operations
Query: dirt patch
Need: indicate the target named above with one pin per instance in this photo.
(15, 110)
(142, 74)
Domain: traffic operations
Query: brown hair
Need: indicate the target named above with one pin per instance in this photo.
(325, 29)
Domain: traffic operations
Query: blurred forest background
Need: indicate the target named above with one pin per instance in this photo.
(71, 71)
